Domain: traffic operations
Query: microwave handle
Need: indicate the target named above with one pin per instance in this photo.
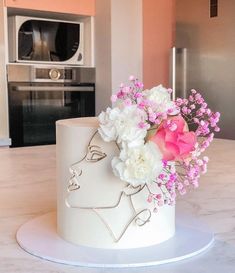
(54, 88)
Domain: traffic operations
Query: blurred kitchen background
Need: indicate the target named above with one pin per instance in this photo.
(65, 60)
(205, 55)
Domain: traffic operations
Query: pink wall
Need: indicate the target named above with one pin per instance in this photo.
(85, 7)
(158, 38)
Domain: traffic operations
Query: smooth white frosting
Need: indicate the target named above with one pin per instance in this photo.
(100, 188)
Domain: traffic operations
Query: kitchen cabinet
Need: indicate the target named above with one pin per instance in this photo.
(82, 7)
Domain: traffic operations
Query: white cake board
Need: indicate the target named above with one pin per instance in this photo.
(39, 238)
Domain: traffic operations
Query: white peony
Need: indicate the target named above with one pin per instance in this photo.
(122, 125)
(138, 165)
(161, 98)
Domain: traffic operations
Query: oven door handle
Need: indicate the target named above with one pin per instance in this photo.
(54, 88)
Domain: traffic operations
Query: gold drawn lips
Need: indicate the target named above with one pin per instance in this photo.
(73, 186)
(73, 182)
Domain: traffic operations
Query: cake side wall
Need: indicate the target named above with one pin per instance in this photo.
(97, 220)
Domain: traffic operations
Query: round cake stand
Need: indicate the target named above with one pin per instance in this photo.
(39, 238)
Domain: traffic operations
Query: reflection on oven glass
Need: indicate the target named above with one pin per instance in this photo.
(35, 113)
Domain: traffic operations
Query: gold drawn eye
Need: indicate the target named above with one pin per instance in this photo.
(94, 154)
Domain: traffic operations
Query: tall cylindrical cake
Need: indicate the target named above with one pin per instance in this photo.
(95, 208)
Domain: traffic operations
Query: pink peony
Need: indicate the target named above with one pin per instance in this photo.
(174, 139)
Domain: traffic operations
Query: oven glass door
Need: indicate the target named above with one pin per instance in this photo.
(33, 110)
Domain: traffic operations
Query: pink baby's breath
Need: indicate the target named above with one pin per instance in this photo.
(114, 98)
(132, 78)
(142, 125)
(127, 102)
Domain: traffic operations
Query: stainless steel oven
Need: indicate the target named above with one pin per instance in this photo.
(39, 96)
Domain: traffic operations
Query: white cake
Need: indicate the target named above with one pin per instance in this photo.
(95, 208)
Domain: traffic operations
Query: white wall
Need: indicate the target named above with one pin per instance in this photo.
(4, 129)
(126, 29)
(118, 46)
(103, 54)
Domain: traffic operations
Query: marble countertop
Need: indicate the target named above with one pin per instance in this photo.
(28, 189)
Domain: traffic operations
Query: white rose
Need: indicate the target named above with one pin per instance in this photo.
(162, 99)
(138, 165)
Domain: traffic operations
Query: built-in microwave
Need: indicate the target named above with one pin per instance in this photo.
(40, 40)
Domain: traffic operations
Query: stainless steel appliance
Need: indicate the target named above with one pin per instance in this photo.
(40, 95)
(205, 55)
(40, 40)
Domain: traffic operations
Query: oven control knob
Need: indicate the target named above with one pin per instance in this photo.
(54, 74)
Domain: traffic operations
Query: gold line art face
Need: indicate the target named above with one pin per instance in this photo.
(94, 154)
(121, 191)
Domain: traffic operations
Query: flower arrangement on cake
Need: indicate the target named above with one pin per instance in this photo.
(155, 139)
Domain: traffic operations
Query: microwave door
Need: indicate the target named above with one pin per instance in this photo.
(48, 35)
(37, 42)
(43, 38)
